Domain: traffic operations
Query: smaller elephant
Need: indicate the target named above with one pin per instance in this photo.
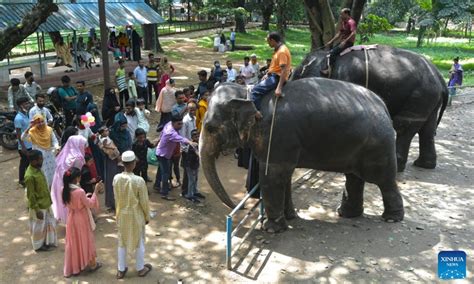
(319, 124)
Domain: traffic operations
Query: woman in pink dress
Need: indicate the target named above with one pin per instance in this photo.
(80, 250)
(71, 155)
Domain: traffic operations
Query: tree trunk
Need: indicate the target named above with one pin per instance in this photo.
(150, 38)
(421, 35)
(321, 22)
(267, 11)
(189, 10)
(240, 19)
(14, 35)
(357, 9)
(281, 7)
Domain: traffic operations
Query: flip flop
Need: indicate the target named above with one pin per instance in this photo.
(121, 274)
(143, 274)
(168, 198)
(98, 265)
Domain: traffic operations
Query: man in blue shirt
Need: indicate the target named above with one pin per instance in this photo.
(68, 97)
(232, 39)
(84, 98)
(22, 122)
(141, 81)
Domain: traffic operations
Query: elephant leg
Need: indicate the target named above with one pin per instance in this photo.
(392, 201)
(406, 130)
(427, 158)
(290, 212)
(352, 203)
(273, 188)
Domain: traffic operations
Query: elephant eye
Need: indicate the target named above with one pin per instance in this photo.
(211, 128)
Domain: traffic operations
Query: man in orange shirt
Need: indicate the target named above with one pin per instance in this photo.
(278, 72)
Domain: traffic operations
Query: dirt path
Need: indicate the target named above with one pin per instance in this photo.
(186, 241)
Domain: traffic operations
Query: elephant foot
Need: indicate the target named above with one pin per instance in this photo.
(346, 211)
(400, 166)
(424, 163)
(393, 216)
(291, 214)
(275, 225)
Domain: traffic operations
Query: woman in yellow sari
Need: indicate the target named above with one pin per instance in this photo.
(43, 139)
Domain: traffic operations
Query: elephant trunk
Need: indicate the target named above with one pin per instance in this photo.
(208, 153)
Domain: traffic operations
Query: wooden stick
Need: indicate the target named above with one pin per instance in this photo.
(271, 135)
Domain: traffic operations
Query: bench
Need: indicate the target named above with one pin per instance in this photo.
(32, 63)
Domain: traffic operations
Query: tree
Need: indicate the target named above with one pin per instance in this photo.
(266, 8)
(240, 14)
(321, 19)
(151, 41)
(14, 35)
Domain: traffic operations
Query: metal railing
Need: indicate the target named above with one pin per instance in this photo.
(230, 232)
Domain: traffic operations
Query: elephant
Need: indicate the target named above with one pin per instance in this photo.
(319, 124)
(410, 85)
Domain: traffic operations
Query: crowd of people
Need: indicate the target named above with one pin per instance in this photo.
(63, 173)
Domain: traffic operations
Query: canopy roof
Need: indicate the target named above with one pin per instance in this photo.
(81, 15)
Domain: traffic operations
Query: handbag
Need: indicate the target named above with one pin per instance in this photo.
(151, 157)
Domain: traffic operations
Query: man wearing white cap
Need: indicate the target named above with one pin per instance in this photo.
(256, 68)
(132, 214)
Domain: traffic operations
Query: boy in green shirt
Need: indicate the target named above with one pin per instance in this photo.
(42, 221)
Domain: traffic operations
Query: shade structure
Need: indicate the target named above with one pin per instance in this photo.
(82, 14)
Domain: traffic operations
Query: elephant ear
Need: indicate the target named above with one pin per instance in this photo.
(244, 116)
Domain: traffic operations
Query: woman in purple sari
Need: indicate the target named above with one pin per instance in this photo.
(455, 78)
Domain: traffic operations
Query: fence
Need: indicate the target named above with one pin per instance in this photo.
(230, 233)
(30, 45)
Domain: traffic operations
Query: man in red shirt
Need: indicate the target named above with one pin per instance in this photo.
(346, 35)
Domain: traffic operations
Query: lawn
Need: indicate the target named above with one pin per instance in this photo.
(441, 52)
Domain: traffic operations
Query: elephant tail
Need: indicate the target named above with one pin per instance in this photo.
(445, 97)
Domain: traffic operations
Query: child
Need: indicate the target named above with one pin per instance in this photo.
(142, 114)
(107, 145)
(140, 148)
(42, 221)
(87, 181)
(202, 109)
(80, 251)
(191, 164)
(132, 88)
(133, 213)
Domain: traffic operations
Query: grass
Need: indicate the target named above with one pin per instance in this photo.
(441, 52)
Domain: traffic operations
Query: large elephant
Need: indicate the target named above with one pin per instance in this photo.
(319, 124)
(410, 85)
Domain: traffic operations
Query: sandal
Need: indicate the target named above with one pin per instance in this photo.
(146, 269)
(98, 265)
(121, 274)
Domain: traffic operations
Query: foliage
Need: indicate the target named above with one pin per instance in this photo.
(370, 25)
(455, 10)
(393, 10)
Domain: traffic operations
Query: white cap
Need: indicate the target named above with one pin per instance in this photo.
(253, 55)
(51, 90)
(128, 156)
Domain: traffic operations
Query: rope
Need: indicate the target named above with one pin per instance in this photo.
(366, 69)
(271, 135)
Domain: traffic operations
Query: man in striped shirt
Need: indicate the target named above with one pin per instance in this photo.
(120, 80)
(153, 71)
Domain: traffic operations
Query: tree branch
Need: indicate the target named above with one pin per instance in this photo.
(14, 35)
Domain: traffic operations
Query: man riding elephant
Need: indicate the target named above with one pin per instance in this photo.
(346, 35)
(278, 72)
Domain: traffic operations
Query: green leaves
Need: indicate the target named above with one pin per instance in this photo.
(372, 24)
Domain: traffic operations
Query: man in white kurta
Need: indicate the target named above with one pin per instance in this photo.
(132, 214)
